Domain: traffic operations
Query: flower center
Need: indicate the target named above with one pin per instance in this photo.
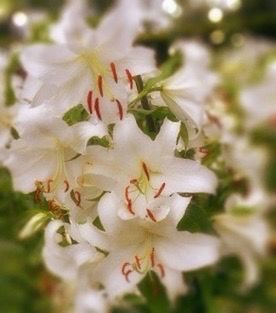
(58, 179)
(143, 262)
(102, 77)
(142, 187)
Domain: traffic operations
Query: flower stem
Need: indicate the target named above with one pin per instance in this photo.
(145, 103)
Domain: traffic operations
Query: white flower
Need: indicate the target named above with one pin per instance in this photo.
(187, 90)
(97, 73)
(244, 233)
(43, 158)
(136, 247)
(145, 172)
(247, 160)
(258, 101)
(66, 261)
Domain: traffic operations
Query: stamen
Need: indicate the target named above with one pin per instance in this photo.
(130, 78)
(160, 191)
(152, 258)
(90, 101)
(77, 197)
(37, 195)
(162, 270)
(114, 72)
(49, 182)
(151, 216)
(66, 186)
(203, 150)
(126, 272)
(133, 181)
(100, 85)
(127, 195)
(120, 108)
(138, 262)
(97, 109)
(146, 170)
(129, 207)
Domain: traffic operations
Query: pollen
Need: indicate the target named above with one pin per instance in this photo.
(97, 109)
(120, 108)
(114, 72)
(90, 101)
(160, 191)
(130, 78)
(100, 85)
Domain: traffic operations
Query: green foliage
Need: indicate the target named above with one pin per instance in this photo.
(22, 276)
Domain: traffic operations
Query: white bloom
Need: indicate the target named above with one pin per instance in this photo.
(258, 101)
(97, 73)
(144, 173)
(244, 232)
(66, 262)
(136, 247)
(187, 90)
(247, 160)
(42, 158)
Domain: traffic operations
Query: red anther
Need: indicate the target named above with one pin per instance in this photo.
(127, 195)
(133, 181)
(130, 78)
(151, 216)
(114, 72)
(37, 195)
(49, 182)
(100, 84)
(97, 109)
(272, 121)
(66, 186)
(90, 101)
(146, 170)
(162, 271)
(120, 108)
(129, 207)
(77, 197)
(124, 267)
(160, 190)
(203, 150)
(152, 258)
(127, 274)
(138, 262)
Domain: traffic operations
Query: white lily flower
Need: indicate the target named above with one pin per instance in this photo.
(244, 232)
(43, 158)
(66, 262)
(136, 247)
(264, 94)
(144, 173)
(187, 90)
(97, 73)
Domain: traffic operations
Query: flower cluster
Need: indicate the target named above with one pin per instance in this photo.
(102, 134)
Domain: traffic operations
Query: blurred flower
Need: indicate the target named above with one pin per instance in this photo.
(41, 159)
(258, 101)
(244, 232)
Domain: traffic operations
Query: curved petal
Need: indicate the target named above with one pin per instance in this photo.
(65, 261)
(182, 175)
(184, 251)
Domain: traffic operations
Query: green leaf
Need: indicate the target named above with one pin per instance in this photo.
(75, 115)
(155, 294)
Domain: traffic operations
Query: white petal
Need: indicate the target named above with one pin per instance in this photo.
(184, 251)
(182, 175)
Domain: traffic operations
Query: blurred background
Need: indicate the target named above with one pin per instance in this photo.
(229, 28)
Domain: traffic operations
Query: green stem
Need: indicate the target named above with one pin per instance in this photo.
(144, 102)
